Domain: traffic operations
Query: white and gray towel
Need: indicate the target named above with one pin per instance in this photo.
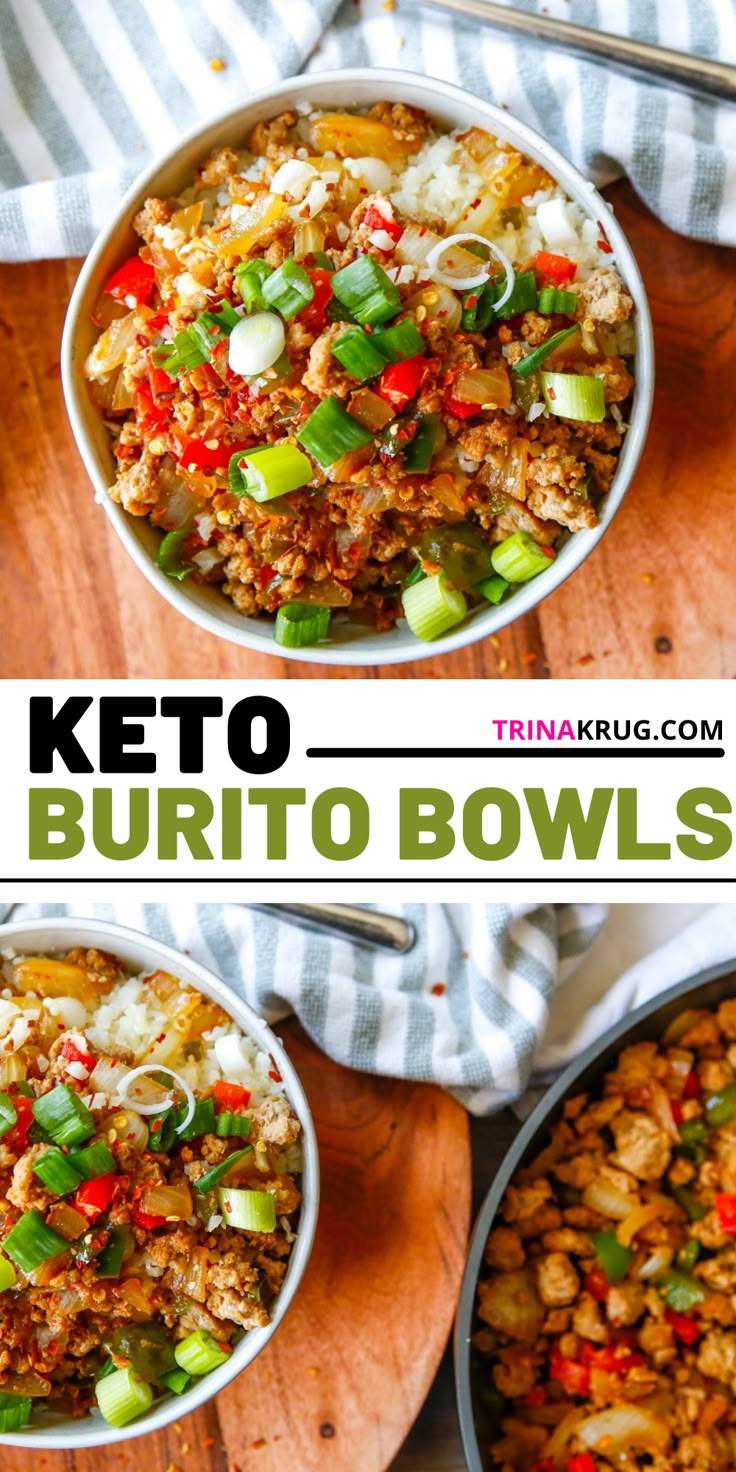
(489, 994)
(91, 90)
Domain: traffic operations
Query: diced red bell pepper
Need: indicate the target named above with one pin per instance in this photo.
(313, 315)
(608, 1360)
(583, 1462)
(399, 382)
(152, 418)
(157, 321)
(691, 1087)
(573, 1376)
(677, 1113)
(459, 408)
(17, 1137)
(147, 1219)
(158, 379)
(597, 1284)
(683, 1327)
(135, 279)
(231, 1096)
(376, 221)
(74, 1054)
(200, 454)
(558, 269)
(94, 1197)
(726, 1212)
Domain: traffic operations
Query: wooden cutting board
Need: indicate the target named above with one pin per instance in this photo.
(343, 1379)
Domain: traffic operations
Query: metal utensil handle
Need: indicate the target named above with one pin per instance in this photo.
(365, 927)
(659, 63)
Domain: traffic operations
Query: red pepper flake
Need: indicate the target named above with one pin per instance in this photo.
(275, 1075)
(439, 989)
(156, 1126)
(475, 203)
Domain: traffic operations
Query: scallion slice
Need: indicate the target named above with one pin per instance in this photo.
(211, 328)
(233, 1124)
(110, 1259)
(534, 360)
(269, 471)
(366, 290)
(57, 1172)
(177, 1380)
(300, 624)
(419, 451)
(122, 1397)
(431, 607)
(478, 306)
(523, 296)
(250, 276)
(574, 396)
(552, 299)
(202, 1121)
(403, 340)
(248, 1211)
(32, 1242)
(199, 1353)
(94, 1160)
(256, 345)
(179, 356)
(415, 576)
(212, 1178)
(493, 588)
(520, 558)
(64, 1115)
(358, 354)
(169, 554)
(288, 289)
(8, 1114)
(331, 432)
(15, 1412)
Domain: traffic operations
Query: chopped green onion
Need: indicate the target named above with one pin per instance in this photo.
(330, 432)
(553, 300)
(416, 575)
(233, 1124)
(202, 1121)
(300, 624)
(336, 312)
(177, 1380)
(693, 1134)
(366, 290)
(169, 554)
(250, 276)
(680, 1291)
(478, 307)
(288, 289)
(688, 1255)
(519, 558)
(108, 1368)
(321, 259)
(419, 451)
(358, 355)
(94, 1160)
(63, 1114)
(212, 1177)
(248, 1211)
(694, 1210)
(111, 1258)
(199, 1353)
(57, 1172)
(613, 1258)
(720, 1108)
(15, 1412)
(534, 360)
(179, 356)
(493, 588)
(24, 1088)
(8, 1275)
(573, 395)
(431, 607)
(162, 1131)
(122, 1397)
(401, 341)
(8, 1114)
(269, 471)
(523, 296)
(211, 328)
(32, 1242)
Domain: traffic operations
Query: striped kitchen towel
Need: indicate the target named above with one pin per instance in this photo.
(467, 1008)
(91, 90)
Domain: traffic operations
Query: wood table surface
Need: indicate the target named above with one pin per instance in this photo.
(656, 599)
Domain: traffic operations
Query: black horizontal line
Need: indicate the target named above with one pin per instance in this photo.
(507, 751)
(400, 877)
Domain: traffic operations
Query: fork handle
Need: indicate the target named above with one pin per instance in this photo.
(365, 927)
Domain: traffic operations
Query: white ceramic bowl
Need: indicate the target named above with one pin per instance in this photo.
(356, 87)
(144, 954)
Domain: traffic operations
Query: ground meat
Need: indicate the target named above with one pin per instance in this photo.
(518, 518)
(727, 1018)
(717, 1356)
(515, 1373)
(26, 1190)
(625, 1304)
(587, 1320)
(557, 1280)
(566, 1240)
(274, 1122)
(551, 502)
(269, 139)
(155, 212)
(642, 1147)
(137, 487)
(217, 169)
(323, 374)
(603, 297)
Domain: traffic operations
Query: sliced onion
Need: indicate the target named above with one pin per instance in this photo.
(173, 1202)
(143, 1072)
(600, 1195)
(256, 343)
(293, 177)
(231, 1057)
(479, 277)
(657, 1263)
(106, 1075)
(619, 1428)
(414, 245)
(641, 1216)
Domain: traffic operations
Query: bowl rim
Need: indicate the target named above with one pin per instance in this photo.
(93, 932)
(356, 652)
(536, 1121)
